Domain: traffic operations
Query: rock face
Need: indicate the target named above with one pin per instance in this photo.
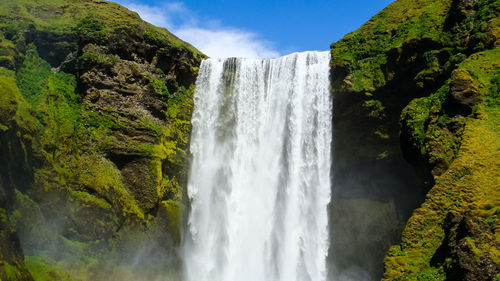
(463, 234)
(94, 128)
(464, 94)
(11, 256)
(421, 77)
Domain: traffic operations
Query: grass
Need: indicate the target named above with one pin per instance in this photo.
(470, 184)
(367, 51)
(33, 75)
(41, 271)
(89, 18)
(417, 45)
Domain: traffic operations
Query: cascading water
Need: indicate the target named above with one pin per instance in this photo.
(260, 178)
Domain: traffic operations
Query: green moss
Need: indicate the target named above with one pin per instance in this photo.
(61, 111)
(90, 200)
(12, 272)
(8, 100)
(4, 219)
(32, 77)
(64, 120)
(54, 96)
(91, 56)
(417, 118)
(159, 87)
(441, 144)
(170, 188)
(150, 126)
(27, 215)
(370, 52)
(42, 271)
(70, 143)
(152, 36)
(13, 107)
(7, 61)
(103, 120)
(8, 51)
(105, 179)
(365, 51)
(173, 215)
(375, 107)
(91, 28)
(90, 20)
(470, 184)
(431, 69)
(493, 99)
(431, 274)
(174, 143)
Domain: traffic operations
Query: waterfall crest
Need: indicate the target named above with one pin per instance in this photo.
(260, 179)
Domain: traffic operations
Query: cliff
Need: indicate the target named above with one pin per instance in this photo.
(95, 111)
(421, 77)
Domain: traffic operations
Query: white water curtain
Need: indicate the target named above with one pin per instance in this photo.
(260, 180)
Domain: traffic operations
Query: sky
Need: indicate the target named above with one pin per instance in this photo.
(258, 28)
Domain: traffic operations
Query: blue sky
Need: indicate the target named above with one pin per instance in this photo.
(259, 28)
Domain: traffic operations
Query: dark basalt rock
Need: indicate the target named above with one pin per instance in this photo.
(464, 94)
(464, 233)
(54, 48)
(459, 11)
(140, 177)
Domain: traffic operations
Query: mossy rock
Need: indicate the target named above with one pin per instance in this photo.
(453, 234)
(12, 267)
(41, 271)
(170, 214)
(94, 132)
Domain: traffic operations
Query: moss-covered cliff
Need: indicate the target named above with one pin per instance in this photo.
(95, 108)
(423, 76)
(12, 265)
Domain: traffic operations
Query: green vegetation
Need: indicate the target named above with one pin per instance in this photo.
(375, 108)
(91, 20)
(469, 185)
(365, 51)
(12, 273)
(95, 123)
(431, 274)
(372, 53)
(435, 64)
(430, 128)
(159, 87)
(41, 271)
(92, 56)
(173, 215)
(91, 29)
(12, 267)
(32, 77)
(94, 129)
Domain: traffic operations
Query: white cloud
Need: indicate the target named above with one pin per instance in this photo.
(227, 42)
(153, 15)
(212, 39)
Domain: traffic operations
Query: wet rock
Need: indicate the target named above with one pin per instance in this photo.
(12, 266)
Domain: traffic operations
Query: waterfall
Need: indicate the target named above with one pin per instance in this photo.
(260, 178)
